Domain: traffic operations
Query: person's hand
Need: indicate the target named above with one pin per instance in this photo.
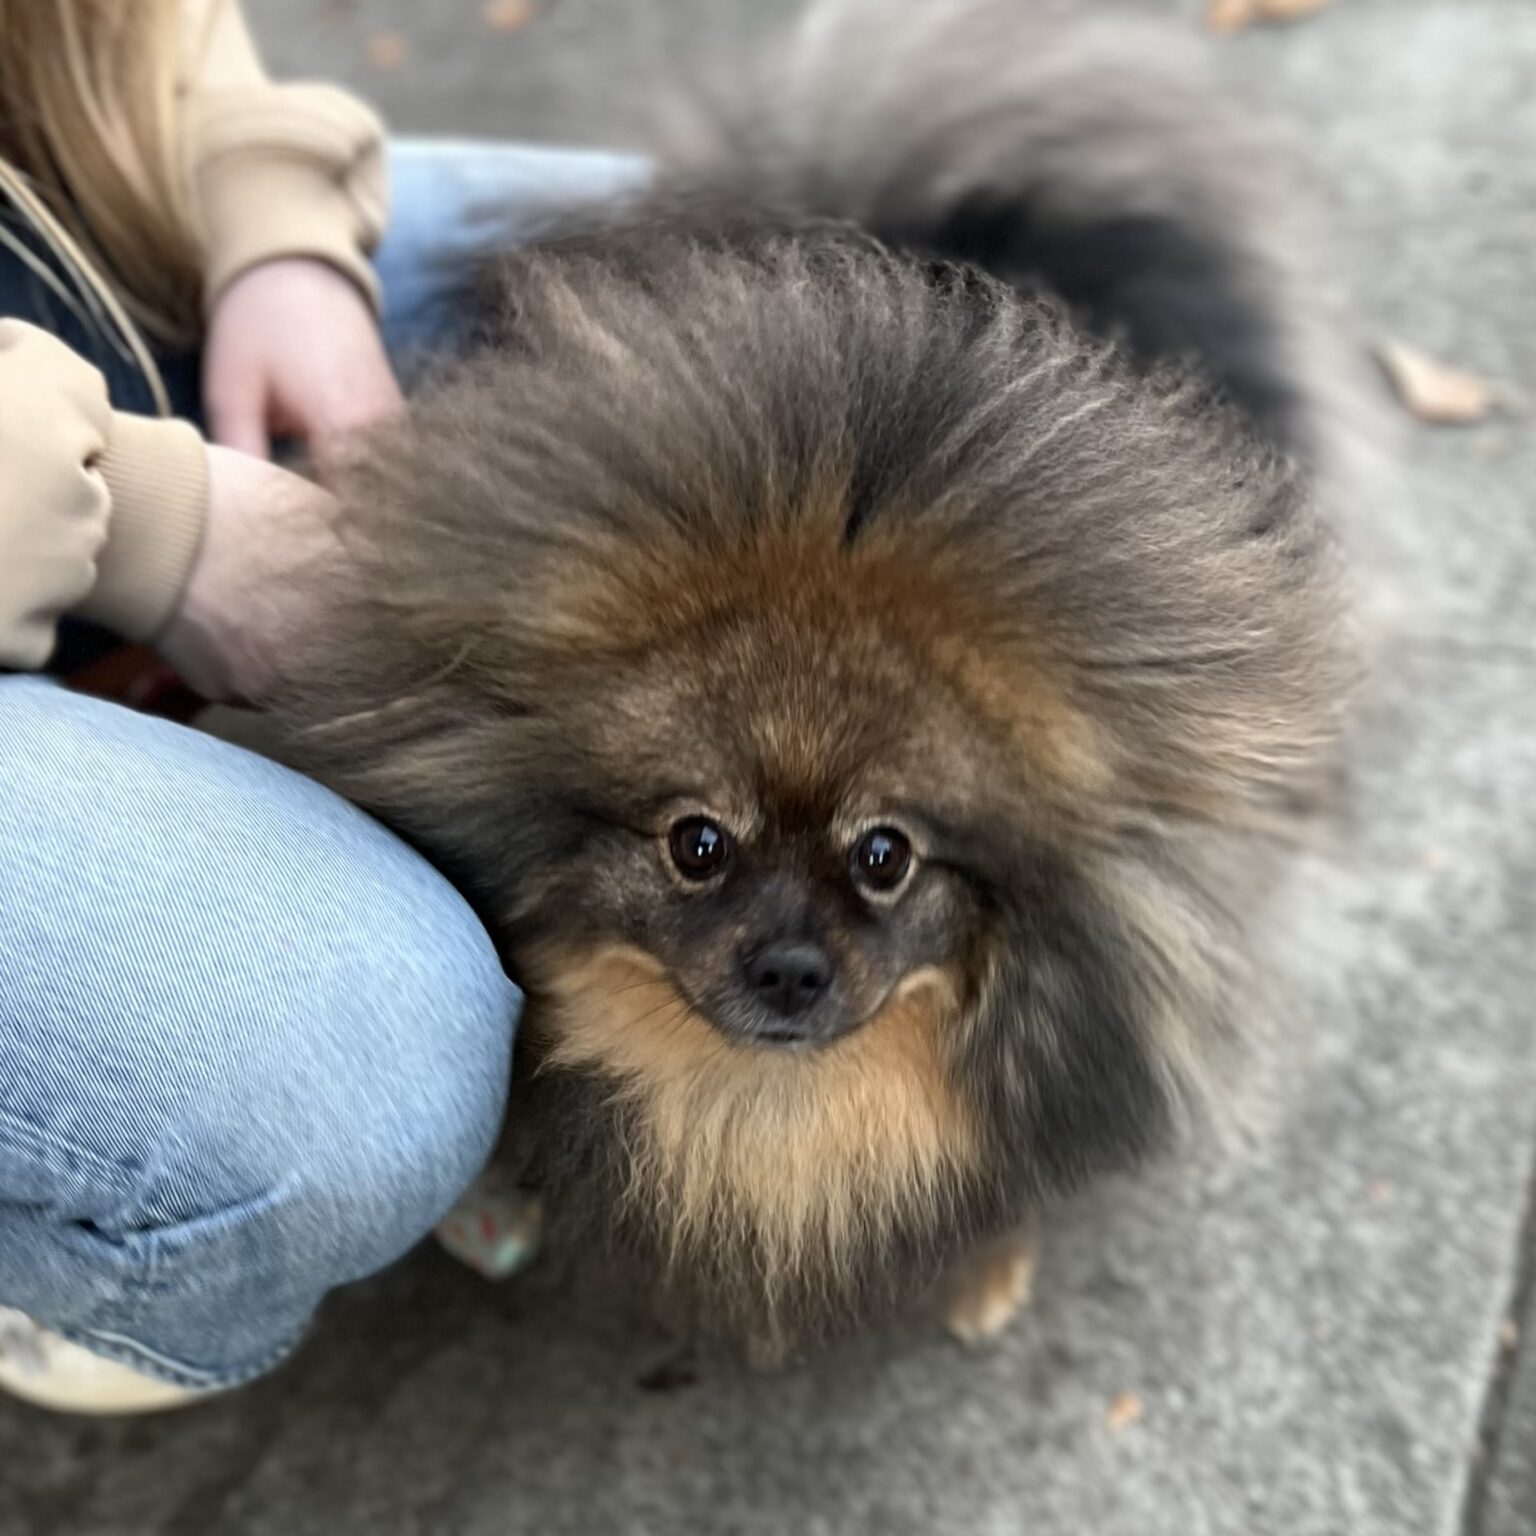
(268, 532)
(293, 350)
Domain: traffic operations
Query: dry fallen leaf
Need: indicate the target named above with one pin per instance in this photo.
(386, 50)
(1234, 15)
(1229, 15)
(1509, 1333)
(508, 15)
(1127, 1409)
(1433, 391)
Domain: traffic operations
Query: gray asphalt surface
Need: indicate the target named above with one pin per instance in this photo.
(1324, 1334)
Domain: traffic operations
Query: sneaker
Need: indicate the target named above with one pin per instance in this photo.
(494, 1228)
(41, 1368)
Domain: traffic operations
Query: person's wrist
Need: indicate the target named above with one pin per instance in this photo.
(314, 271)
(155, 471)
(267, 531)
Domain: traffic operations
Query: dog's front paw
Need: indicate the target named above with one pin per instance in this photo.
(987, 1290)
(767, 1351)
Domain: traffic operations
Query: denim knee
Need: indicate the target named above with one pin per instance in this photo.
(251, 1046)
(325, 1178)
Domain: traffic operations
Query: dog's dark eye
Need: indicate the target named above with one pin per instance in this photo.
(881, 859)
(699, 847)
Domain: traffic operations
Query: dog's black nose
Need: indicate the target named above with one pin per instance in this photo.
(788, 975)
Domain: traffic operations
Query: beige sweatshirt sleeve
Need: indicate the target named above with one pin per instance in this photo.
(101, 512)
(277, 169)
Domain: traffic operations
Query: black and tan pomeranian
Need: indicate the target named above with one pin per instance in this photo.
(857, 621)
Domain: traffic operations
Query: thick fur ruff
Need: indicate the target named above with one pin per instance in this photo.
(954, 452)
(779, 1183)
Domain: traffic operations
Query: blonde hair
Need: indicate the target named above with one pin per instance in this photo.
(89, 112)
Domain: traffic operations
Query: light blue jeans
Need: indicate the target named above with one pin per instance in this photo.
(251, 1045)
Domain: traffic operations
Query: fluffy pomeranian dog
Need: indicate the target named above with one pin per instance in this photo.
(857, 620)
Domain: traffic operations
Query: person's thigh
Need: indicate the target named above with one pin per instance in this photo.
(453, 200)
(251, 1045)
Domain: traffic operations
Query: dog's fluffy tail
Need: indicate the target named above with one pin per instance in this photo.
(1093, 160)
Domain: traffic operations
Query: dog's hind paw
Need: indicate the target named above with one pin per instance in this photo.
(986, 1291)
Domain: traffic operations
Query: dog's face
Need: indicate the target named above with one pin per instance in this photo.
(829, 673)
(786, 901)
(784, 784)
(783, 903)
